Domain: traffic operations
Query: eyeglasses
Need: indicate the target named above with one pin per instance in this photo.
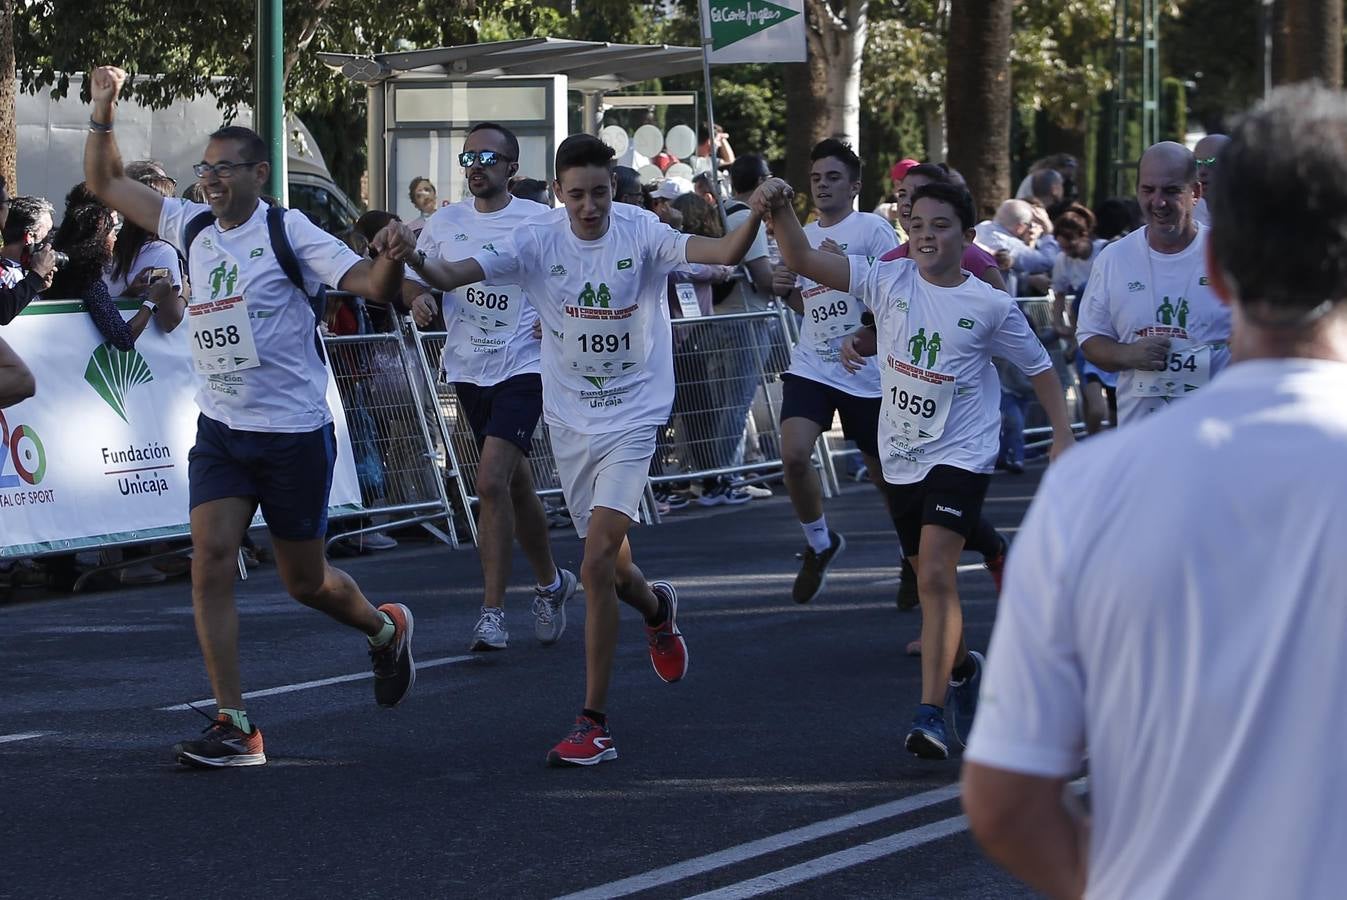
(1208, 163)
(222, 170)
(487, 158)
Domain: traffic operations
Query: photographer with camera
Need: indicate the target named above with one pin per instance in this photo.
(27, 263)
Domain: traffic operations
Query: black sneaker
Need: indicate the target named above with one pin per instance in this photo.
(907, 588)
(394, 669)
(223, 745)
(962, 699)
(814, 569)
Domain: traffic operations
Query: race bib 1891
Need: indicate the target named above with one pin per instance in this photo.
(222, 336)
(603, 342)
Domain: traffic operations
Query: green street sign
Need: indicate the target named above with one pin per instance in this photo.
(734, 20)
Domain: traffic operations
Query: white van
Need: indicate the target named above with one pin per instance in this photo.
(51, 137)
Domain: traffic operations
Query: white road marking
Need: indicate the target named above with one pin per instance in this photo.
(762, 846)
(321, 682)
(842, 859)
(25, 736)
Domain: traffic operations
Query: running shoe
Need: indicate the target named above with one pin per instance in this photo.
(223, 745)
(668, 650)
(722, 494)
(549, 609)
(394, 668)
(907, 588)
(755, 491)
(814, 570)
(489, 633)
(588, 744)
(996, 565)
(679, 500)
(928, 738)
(962, 700)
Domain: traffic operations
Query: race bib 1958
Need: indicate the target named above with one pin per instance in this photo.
(222, 336)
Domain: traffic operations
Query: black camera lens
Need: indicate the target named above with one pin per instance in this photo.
(61, 259)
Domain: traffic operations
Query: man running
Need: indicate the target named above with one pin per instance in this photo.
(817, 386)
(491, 357)
(1148, 311)
(265, 436)
(939, 428)
(597, 273)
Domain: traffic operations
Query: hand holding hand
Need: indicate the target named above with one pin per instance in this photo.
(395, 241)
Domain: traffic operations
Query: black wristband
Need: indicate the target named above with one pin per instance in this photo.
(99, 127)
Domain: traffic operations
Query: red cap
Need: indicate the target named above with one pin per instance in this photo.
(899, 170)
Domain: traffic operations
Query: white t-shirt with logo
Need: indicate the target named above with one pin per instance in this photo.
(153, 254)
(1175, 608)
(489, 330)
(1135, 291)
(287, 392)
(830, 315)
(604, 309)
(935, 357)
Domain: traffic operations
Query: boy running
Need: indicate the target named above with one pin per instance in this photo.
(596, 272)
(938, 328)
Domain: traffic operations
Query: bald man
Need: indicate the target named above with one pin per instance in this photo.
(1011, 230)
(1148, 311)
(1206, 152)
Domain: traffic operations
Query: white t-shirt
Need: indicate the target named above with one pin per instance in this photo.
(943, 338)
(604, 308)
(830, 315)
(288, 391)
(1201, 212)
(733, 220)
(490, 331)
(153, 254)
(1175, 607)
(1135, 291)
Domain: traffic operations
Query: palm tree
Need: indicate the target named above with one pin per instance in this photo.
(1307, 41)
(977, 98)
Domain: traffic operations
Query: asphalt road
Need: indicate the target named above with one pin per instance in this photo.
(775, 767)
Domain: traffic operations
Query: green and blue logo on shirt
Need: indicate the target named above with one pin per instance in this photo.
(255, 253)
(558, 270)
(966, 323)
(624, 263)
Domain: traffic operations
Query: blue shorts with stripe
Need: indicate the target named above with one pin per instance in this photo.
(288, 474)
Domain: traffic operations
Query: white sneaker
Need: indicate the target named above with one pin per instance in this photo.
(490, 633)
(549, 609)
(140, 573)
(377, 540)
(756, 491)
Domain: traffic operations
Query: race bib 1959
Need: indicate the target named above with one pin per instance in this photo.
(222, 336)
(603, 342)
(916, 403)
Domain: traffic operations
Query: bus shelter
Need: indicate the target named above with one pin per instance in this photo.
(421, 103)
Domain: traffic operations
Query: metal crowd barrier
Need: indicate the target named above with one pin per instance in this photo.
(391, 440)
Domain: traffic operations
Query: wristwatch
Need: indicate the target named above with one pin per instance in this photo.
(420, 258)
(150, 303)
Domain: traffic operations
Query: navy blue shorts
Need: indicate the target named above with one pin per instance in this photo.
(509, 410)
(806, 398)
(948, 496)
(289, 475)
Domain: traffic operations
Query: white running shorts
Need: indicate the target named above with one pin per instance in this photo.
(609, 470)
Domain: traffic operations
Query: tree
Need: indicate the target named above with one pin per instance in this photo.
(1307, 41)
(977, 98)
(836, 35)
(8, 84)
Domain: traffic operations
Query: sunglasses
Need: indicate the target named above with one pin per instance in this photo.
(487, 158)
(1207, 163)
(223, 170)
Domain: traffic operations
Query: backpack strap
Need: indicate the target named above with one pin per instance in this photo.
(735, 206)
(280, 245)
(195, 226)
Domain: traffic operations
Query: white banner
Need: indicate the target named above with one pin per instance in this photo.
(755, 31)
(99, 455)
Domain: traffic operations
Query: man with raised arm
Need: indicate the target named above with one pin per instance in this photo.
(265, 435)
(596, 272)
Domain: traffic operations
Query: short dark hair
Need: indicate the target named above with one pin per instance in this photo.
(746, 172)
(532, 189)
(627, 180)
(956, 196)
(1117, 216)
(253, 146)
(840, 151)
(583, 150)
(932, 171)
(1301, 262)
(511, 142)
(372, 222)
(411, 188)
(23, 215)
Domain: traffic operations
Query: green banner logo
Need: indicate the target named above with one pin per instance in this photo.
(113, 373)
(734, 20)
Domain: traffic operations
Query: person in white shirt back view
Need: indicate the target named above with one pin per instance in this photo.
(1175, 604)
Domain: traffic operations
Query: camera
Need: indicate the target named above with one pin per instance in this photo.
(60, 260)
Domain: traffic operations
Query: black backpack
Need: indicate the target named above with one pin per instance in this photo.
(285, 257)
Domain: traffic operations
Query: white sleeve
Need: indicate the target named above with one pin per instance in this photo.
(1093, 319)
(864, 277)
(1016, 342)
(173, 218)
(510, 262)
(323, 258)
(663, 246)
(158, 255)
(1031, 711)
(882, 239)
(431, 247)
(758, 248)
